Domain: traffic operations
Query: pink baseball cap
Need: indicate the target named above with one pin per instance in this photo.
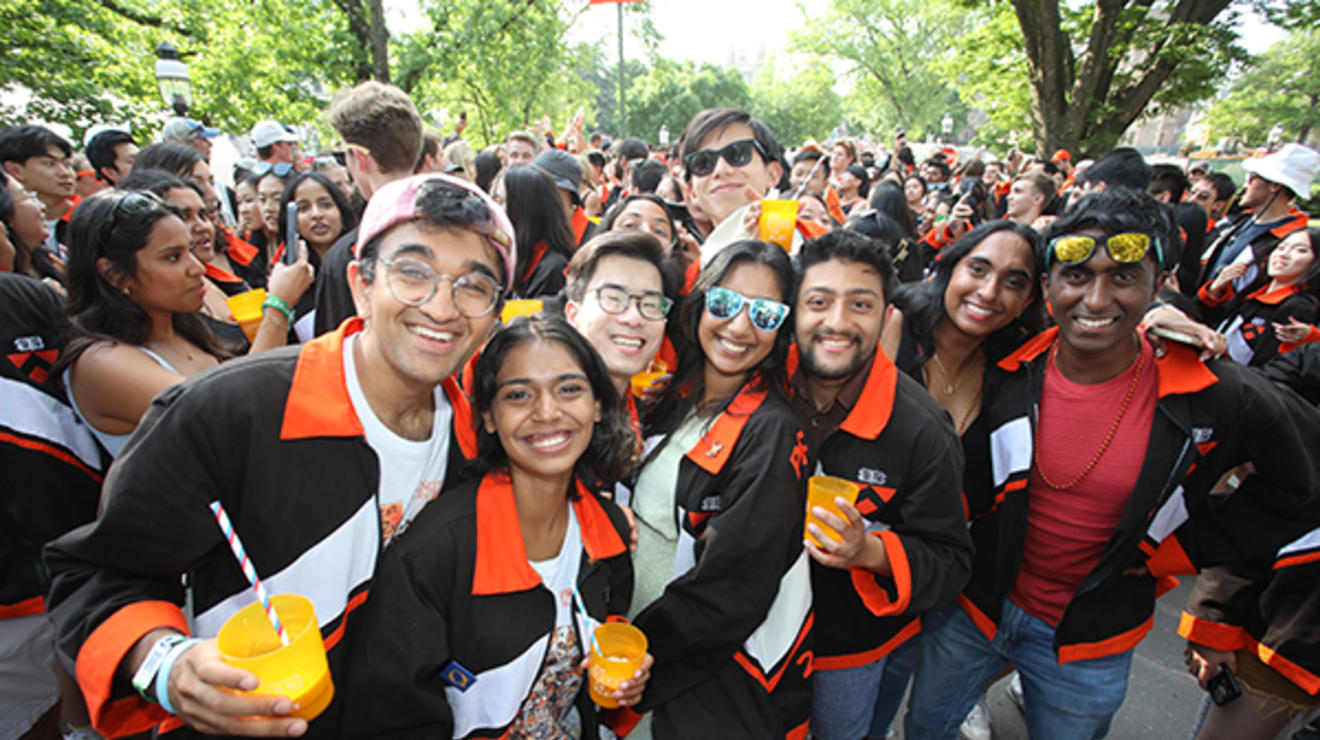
(396, 203)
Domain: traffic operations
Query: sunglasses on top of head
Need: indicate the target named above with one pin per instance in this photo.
(737, 154)
(281, 169)
(1126, 247)
(766, 315)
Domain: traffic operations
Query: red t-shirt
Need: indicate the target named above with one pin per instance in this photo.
(1067, 530)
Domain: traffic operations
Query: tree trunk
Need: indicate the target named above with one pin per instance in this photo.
(379, 42)
(1066, 92)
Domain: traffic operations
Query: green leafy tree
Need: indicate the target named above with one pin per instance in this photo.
(599, 70)
(890, 52)
(82, 62)
(672, 92)
(1284, 88)
(505, 62)
(798, 107)
(1092, 68)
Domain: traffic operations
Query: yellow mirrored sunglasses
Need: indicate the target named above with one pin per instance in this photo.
(1126, 247)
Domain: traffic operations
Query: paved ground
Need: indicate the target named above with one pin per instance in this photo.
(1162, 698)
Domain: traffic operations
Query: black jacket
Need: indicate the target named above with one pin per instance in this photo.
(273, 437)
(51, 466)
(333, 298)
(457, 588)
(1209, 418)
(731, 632)
(897, 444)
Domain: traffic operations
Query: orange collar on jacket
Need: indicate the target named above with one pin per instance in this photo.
(870, 415)
(224, 276)
(580, 222)
(1276, 296)
(501, 564)
(73, 205)
(1297, 221)
(238, 250)
(319, 406)
(716, 446)
(1180, 369)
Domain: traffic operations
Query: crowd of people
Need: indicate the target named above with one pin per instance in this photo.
(1054, 386)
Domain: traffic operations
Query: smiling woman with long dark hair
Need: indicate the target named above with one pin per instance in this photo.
(723, 586)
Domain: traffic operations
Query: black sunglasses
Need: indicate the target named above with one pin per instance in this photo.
(130, 203)
(737, 154)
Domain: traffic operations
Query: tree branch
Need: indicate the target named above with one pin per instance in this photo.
(141, 19)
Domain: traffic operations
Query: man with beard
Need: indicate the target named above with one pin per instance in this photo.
(903, 549)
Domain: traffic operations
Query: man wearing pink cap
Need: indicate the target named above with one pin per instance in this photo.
(321, 454)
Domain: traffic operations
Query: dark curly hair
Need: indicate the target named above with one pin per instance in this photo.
(611, 454)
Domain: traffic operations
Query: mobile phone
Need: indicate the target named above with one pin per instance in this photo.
(291, 234)
(1224, 687)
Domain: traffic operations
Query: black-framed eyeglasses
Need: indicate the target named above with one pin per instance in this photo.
(766, 315)
(737, 154)
(281, 169)
(613, 299)
(1126, 247)
(413, 283)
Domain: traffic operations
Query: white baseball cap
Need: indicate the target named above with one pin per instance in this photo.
(266, 133)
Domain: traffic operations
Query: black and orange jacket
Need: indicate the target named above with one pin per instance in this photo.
(247, 260)
(1271, 609)
(275, 439)
(731, 633)
(1298, 368)
(1249, 325)
(899, 447)
(544, 276)
(51, 466)
(1209, 418)
(583, 228)
(456, 588)
(1260, 247)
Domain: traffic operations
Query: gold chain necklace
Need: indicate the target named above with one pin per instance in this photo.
(949, 387)
(1113, 428)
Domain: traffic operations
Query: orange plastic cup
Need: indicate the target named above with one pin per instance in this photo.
(297, 670)
(246, 308)
(778, 221)
(618, 653)
(821, 491)
(643, 380)
(520, 307)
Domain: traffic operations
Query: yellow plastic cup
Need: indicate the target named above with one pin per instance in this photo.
(520, 307)
(821, 491)
(778, 221)
(297, 670)
(643, 380)
(246, 308)
(618, 653)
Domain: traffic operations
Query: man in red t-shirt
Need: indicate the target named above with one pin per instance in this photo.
(1102, 459)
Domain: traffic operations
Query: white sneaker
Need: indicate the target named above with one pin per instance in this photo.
(976, 726)
(1014, 691)
(81, 733)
